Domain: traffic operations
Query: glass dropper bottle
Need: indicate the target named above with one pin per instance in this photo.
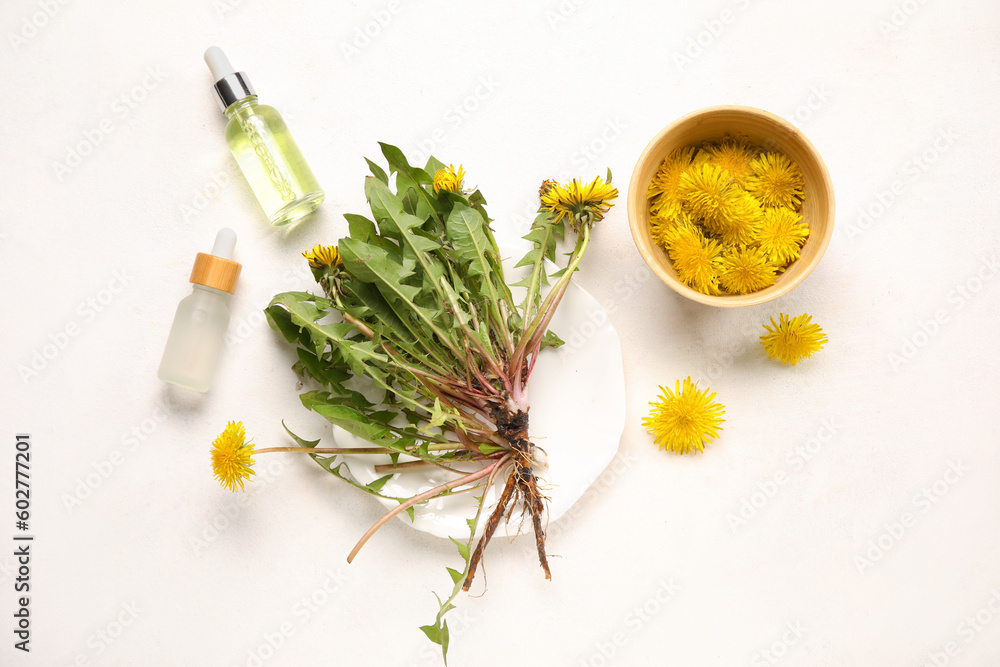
(199, 329)
(263, 147)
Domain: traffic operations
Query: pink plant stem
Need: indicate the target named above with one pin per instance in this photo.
(402, 507)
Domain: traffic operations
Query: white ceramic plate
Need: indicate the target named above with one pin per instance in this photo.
(577, 415)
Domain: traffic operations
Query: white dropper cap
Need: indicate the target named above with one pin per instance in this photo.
(225, 243)
(230, 86)
(217, 61)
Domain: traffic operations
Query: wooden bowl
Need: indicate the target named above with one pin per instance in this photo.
(767, 131)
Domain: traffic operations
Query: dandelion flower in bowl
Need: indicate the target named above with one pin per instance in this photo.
(663, 193)
(781, 235)
(776, 181)
(696, 259)
(746, 270)
(733, 154)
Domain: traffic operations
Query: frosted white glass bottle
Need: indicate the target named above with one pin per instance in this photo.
(200, 324)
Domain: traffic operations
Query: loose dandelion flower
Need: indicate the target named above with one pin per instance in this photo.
(781, 235)
(776, 181)
(585, 204)
(663, 193)
(682, 421)
(696, 259)
(322, 256)
(792, 340)
(449, 179)
(232, 456)
(733, 155)
(710, 195)
(745, 270)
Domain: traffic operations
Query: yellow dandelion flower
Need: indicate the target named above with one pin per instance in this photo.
(781, 235)
(682, 421)
(232, 456)
(701, 157)
(448, 179)
(745, 270)
(711, 195)
(776, 181)
(661, 228)
(792, 340)
(733, 154)
(741, 220)
(581, 203)
(664, 229)
(696, 259)
(663, 194)
(322, 256)
(546, 185)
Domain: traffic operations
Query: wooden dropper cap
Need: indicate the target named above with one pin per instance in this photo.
(216, 270)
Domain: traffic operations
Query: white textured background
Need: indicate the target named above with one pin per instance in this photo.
(142, 559)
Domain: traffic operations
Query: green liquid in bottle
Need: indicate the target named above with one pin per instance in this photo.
(271, 162)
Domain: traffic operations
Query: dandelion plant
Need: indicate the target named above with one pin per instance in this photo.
(415, 306)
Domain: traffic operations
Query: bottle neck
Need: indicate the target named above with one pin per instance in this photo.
(233, 88)
(241, 105)
(211, 290)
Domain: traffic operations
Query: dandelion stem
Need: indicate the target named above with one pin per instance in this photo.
(409, 465)
(534, 330)
(350, 450)
(436, 491)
